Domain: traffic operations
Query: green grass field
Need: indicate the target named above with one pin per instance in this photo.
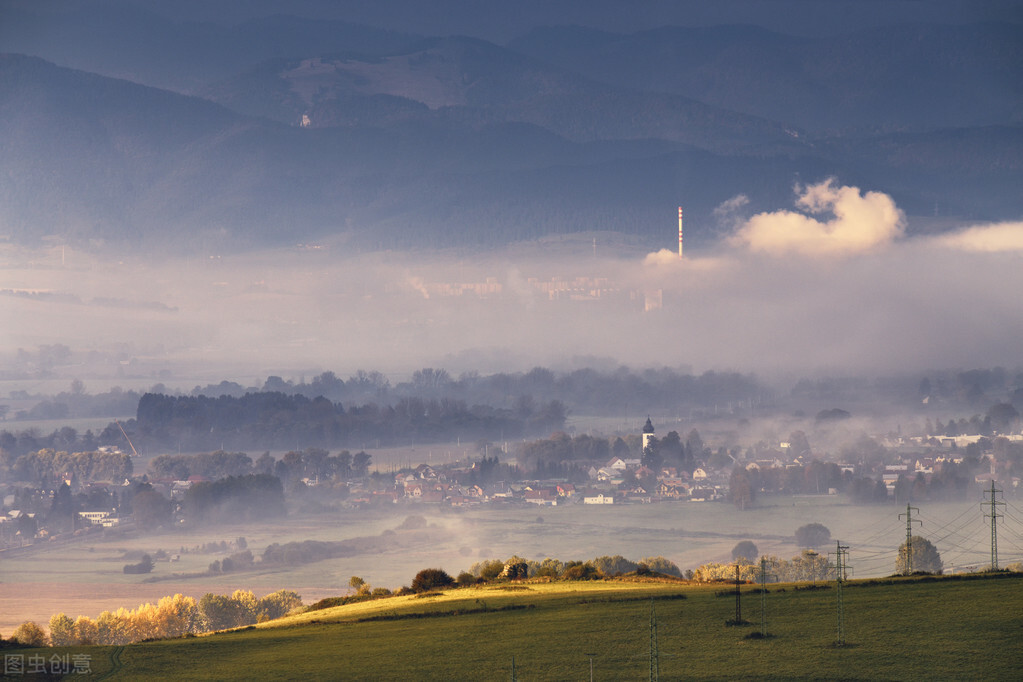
(894, 630)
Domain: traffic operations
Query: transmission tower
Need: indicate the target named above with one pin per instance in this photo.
(993, 515)
(840, 553)
(909, 536)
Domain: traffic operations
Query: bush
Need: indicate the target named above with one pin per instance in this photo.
(576, 570)
(465, 579)
(430, 579)
(145, 565)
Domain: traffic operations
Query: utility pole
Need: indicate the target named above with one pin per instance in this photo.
(840, 551)
(763, 596)
(812, 555)
(738, 596)
(591, 657)
(993, 515)
(513, 679)
(654, 662)
(909, 537)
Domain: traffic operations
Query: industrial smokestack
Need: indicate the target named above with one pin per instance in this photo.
(680, 233)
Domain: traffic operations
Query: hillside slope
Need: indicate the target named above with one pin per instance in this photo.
(892, 630)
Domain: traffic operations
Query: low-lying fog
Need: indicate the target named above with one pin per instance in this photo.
(834, 285)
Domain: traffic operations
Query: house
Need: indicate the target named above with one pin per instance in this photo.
(107, 519)
(671, 489)
(644, 472)
(542, 497)
(599, 498)
(699, 474)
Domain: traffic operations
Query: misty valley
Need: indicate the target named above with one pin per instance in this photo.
(469, 472)
(533, 340)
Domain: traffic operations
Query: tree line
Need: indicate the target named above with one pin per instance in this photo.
(175, 616)
(277, 420)
(597, 392)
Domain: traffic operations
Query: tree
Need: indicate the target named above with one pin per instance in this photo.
(85, 631)
(550, 568)
(221, 612)
(745, 549)
(812, 535)
(652, 457)
(62, 630)
(925, 558)
(361, 463)
(430, 579)
(740, 487)
(30, 634)
(278, 604)
(659, 564)
(151, 509)
(1004, 417)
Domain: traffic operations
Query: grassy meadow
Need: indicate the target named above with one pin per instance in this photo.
(901, 629)
(86, 578)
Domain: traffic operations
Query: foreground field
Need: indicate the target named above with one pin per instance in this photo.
(86, 578)
(901, 630)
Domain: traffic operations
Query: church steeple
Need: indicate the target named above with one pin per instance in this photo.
(648, 427)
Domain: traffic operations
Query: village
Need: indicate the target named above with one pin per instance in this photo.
(892, 469)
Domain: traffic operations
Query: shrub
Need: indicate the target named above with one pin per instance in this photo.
(431, 578)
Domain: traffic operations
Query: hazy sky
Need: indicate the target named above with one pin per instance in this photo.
(828, 284)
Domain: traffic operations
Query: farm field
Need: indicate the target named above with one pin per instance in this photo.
(86, 578)
(903, 629)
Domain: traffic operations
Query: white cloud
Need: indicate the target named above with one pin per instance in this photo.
(731, 206)
(859, 223)
(985, 238)
(662, 257)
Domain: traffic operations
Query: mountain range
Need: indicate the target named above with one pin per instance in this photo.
(121, 125)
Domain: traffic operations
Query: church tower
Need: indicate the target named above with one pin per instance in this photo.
(648, 432)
